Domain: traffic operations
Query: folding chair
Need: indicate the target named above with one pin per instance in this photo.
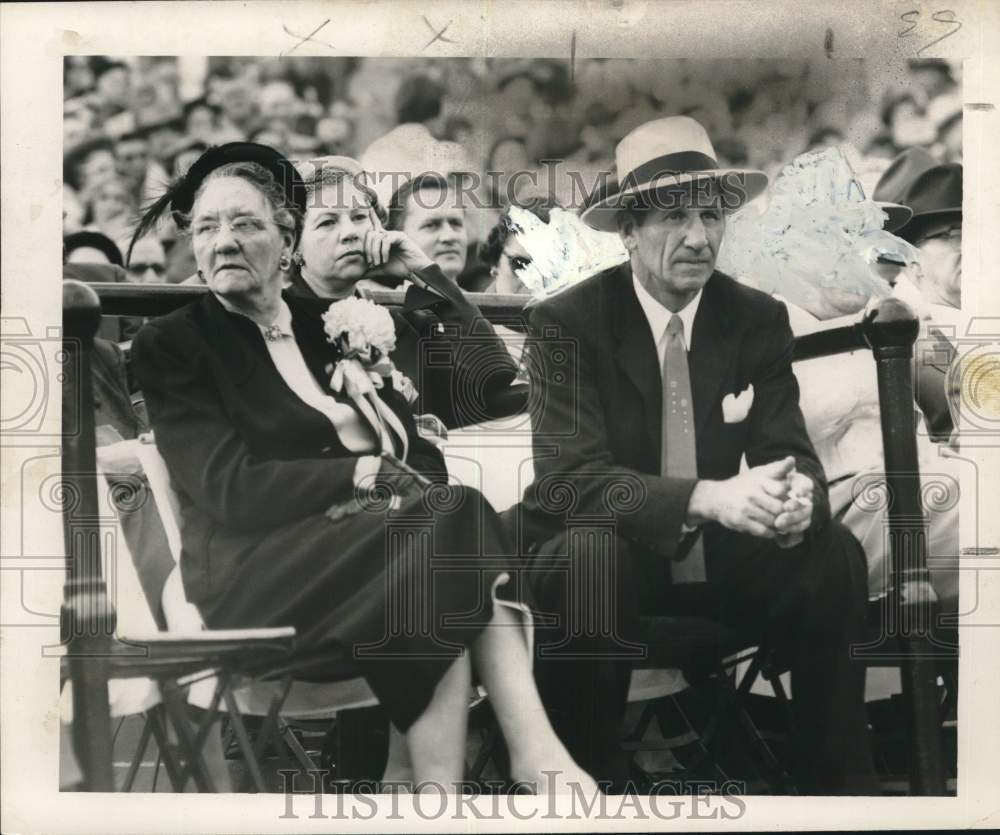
(238, 673)
(698, 657)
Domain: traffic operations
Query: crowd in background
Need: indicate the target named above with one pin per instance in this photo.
(132, 124)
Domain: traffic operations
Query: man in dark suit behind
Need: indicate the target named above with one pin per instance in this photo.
(694, 534)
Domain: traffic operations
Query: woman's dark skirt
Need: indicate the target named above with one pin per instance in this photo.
(395, 593)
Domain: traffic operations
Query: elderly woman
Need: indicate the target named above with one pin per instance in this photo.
(344, 245)
(274, 468)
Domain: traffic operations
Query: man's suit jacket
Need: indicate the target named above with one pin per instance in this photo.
(597, 417)
(245, 454)
(446, 346)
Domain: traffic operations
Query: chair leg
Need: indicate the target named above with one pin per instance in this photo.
(243, 740)
(288, 737)
(133, 769)
(269, 726)
(165, 754)
(175, 701)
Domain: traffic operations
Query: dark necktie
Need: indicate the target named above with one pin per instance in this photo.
(678, 452)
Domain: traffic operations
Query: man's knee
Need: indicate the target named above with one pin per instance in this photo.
(837, 574)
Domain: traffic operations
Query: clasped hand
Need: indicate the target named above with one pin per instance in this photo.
(772, 501)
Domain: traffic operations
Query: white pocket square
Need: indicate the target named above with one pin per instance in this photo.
(735, 408)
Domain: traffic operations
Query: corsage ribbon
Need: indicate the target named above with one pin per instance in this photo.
(360, 384)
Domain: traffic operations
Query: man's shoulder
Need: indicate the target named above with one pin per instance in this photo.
(588, 295)
(740, 301)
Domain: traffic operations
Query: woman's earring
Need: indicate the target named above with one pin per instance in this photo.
(201, 276)
(284, 262)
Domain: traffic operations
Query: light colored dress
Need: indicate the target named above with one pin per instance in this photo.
(839, 401)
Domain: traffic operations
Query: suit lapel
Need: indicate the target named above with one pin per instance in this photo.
(236, 339)
(636, 351)
(712, 354)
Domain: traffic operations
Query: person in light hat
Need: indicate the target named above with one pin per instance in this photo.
(669, 373)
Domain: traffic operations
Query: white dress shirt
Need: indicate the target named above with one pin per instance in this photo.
(291, 365)
(659, 317)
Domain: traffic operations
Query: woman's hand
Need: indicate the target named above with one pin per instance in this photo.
(393, 253)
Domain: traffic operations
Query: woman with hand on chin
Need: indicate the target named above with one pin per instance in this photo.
(274, 465)
(344, 246)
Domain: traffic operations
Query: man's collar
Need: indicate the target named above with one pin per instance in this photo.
(658, 316)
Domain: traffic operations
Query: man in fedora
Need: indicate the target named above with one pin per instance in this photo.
(932, 286)
(655, 378)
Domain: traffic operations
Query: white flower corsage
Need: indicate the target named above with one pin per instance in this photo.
(364, 335)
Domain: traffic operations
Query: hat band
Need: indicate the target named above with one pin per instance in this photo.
(683, 162)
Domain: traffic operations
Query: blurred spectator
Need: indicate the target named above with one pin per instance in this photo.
(732, 153)
(507, 114)
(185, 156)
(88, 164)
(239, 106)
(78, 77)
(201, 120)
(903, 114)
(507, 158)
(458, 129)
(143, 177)
(164, 137)
(73, 211)
(91, 248)
(825, 137)
(945, 114)
(113, 86)
(932, 76)
(132, 155)
(147, 263)
(278, 105)
(880, 146)
(111, 208)
(419, 100)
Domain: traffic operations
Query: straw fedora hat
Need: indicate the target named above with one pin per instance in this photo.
(665, 153)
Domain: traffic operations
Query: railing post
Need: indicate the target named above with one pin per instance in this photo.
(912, 605)
(87, 618)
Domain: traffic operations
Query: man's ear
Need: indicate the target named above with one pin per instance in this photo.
(626, 229)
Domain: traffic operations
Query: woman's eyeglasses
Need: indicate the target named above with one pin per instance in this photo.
(241, 227)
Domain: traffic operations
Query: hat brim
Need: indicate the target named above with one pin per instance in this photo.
(739, 184)
(911, 230)
(897, 215)
(287, 177)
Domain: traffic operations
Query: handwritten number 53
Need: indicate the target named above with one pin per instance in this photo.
(944, 16)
